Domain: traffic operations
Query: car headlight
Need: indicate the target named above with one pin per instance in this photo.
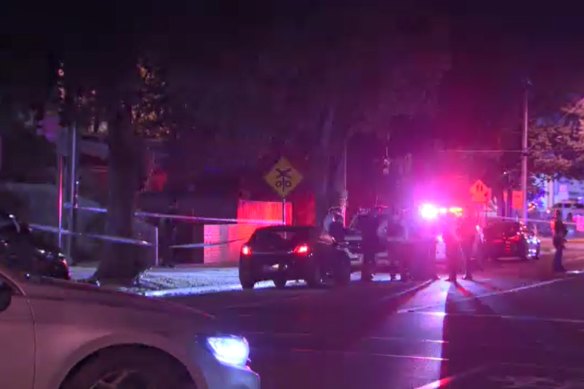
(230, 350)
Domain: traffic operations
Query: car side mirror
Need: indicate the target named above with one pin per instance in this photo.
(5, 296)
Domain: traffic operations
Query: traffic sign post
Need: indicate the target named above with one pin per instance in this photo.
(283, 178)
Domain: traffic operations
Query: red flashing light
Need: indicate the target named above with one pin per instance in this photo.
(246, 250)
(302, 249)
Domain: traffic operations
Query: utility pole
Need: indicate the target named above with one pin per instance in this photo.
(61, 149)
(73, 193)
(525, 147)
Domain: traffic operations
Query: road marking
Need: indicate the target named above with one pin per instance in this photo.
(529, 380)
(370, 338)
(505, 317)
(490, 294)
(542, 367)
(378, 355)
(406, 291)
(448, 380)
(404, 339)
(321, 292)
(266, 302)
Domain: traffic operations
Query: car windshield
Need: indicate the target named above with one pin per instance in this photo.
(499, 229)
(280, 238)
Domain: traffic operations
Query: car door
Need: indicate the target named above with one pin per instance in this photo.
(17, 338)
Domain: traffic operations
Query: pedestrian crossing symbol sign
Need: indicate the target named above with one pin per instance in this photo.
(283, 177)
(480, 192)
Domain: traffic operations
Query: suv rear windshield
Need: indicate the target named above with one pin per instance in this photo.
(280, 238)
(502, 229)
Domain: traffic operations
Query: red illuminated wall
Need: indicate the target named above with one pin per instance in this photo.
(263, 210)
(234, 235)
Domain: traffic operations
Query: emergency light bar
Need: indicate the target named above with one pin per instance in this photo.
(431, 212)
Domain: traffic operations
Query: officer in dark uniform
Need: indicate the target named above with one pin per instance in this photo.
(369, 243)
(468, 233)
(394, 232)
(337, 228)
(450, 234)
(168, 234)
(559, 241)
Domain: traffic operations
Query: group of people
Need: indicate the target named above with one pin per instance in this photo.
(459, 235)
(388, 230)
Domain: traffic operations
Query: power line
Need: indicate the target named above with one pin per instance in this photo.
(480, 151)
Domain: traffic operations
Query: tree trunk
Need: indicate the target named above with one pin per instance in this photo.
(321, 160)
(121, 262)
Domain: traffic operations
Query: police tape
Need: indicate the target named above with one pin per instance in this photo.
(110, 238)
(578, 222)
(529, 220)
(185, 217)
(118, 239)
(203, 245)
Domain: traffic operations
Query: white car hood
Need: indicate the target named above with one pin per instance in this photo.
(74, 292)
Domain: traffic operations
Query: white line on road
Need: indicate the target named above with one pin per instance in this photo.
(406, 291)
(505, 317)
(448, 380)
(490, 294)
(377, 355)
(542, 367)
(311, 292)
(370, 338)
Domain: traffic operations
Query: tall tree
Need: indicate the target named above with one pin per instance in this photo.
(557, 143)
(325, 82)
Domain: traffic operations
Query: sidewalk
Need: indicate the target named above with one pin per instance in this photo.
(211, 278)
(180, 280)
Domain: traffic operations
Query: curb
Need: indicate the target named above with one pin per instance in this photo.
(191, 291)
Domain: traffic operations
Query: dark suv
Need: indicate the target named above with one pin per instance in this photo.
(510, 239)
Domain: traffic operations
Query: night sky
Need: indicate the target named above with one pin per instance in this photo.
(494, 44)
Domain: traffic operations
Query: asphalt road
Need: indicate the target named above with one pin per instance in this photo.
(506, 329)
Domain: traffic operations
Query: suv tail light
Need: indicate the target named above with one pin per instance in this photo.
(302, 249)
(246, 250)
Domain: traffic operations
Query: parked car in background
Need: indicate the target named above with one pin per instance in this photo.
(58, 334)
(283, 253)
(23, 250)
(510, 239)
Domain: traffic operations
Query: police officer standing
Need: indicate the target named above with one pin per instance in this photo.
(168, 228)
(337, 228)
(559, 240)
(369, 243)
(468, 234)
(450, 234)
(392, 232)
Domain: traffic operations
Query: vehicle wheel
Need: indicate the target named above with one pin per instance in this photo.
(129, 367)
(314, 277)
(280, 282)
(246, 279)
(537, 252)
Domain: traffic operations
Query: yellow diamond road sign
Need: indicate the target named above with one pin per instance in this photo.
(283, 178)
(480, 192)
